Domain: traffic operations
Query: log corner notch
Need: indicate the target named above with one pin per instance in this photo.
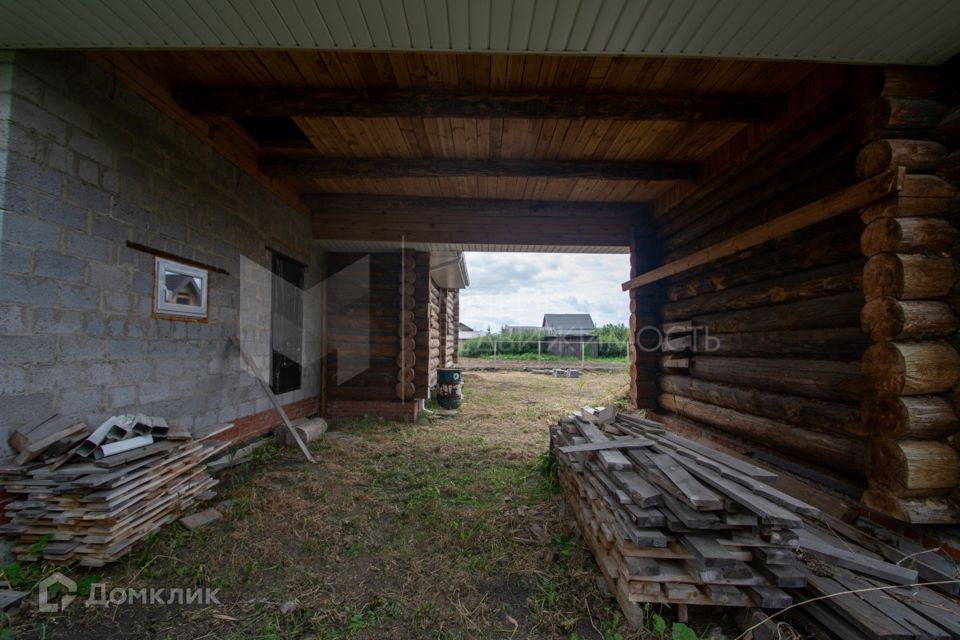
(910, 411)
(852, 198)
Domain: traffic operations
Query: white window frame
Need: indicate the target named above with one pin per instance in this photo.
(171, 309)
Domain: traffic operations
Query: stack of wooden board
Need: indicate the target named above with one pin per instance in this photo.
(673, 521)
(91, 510)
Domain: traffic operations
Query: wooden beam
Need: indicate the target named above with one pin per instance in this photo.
(481, 221)
(301, 167)
(859, 195)
(312, 102)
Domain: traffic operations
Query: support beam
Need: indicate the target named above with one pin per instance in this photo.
(859, 195)
(301, 167)
(312, 102)
(481, 221)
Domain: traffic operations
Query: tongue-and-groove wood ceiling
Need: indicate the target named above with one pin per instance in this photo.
(678, 141)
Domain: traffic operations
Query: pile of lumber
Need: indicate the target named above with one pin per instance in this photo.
(89, 496)
(674, 521)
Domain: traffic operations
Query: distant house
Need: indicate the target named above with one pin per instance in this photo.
(468, 333)
(570, 334)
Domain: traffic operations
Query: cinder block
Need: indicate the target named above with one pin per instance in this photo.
(27, 290)
(79, 402)
(53, 209)
(119, 397)
(13, 379)
(57, 321)
(124, 348)
(100, 373)
(60, 267)
(29, 232)
(79, 297)
(87, 145)
(109, 276)
(12, 319)
(86, 246)
(15, 259)
(153, 391)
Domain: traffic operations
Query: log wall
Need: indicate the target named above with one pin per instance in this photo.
(377, 329)
(449, 326)
(765, 345)
(831, 345)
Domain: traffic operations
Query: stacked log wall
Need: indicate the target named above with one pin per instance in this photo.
(766, 344)
(910, 414)
(434, 334)
(449, 300)
(362, 323)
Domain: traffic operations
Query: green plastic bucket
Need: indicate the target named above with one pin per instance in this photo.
(449, 388)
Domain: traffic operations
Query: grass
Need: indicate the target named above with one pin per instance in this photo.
(448, 528)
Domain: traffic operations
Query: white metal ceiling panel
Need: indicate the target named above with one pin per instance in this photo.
(921, 32)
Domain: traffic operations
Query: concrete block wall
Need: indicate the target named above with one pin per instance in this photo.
(85, 166)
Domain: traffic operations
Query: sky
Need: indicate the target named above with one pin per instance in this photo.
(518, 288)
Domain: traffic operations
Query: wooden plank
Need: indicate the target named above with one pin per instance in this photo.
(630, 443)
(320, 103)
(708, 551)
(889, 606)
(203, 518)
(746, 468)
(642, 492)
(859, 195)
(10, 599)
(697, 495)
(855, 561)
(858, 612)
(313, 167)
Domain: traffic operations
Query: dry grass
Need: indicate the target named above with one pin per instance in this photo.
(441, 529)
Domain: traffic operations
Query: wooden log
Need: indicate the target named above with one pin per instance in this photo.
(405, 375)
(842, 454)
(890, 319)
(773, 260)
(406, 359)
(841, 310)
(845, 343)
(907, 235)
(908, 276)
(949, 168)
(930, 510)
(340, 103)
(859, 195)
(908, 417)
(917, 156)
(833, 380)
(901, 206)
(948, 131)
(804, 412)
(912, 468)
(405, 390)
(829, 280)
(909, 369)
(905, 117)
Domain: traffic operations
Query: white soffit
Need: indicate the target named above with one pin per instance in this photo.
(916, 32)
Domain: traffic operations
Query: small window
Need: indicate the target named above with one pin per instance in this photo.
(181, 290)
(286, 325)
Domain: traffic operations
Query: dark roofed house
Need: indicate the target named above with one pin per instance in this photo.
(570, 334)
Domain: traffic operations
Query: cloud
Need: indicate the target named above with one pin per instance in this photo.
(518, 288)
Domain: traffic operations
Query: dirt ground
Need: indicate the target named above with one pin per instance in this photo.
(441, 529)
